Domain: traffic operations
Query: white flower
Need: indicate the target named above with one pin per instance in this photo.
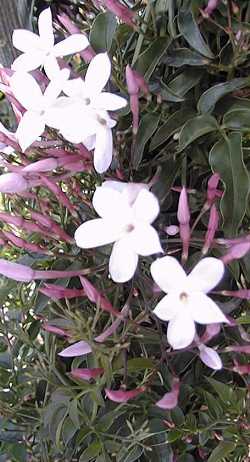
(40, 50)
(186, 301)
(89, 121)
(38, 104)
(126, 212)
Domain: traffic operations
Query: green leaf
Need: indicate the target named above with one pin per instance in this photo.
(196, 127)
(223, 449)
(149, 59)
(169, 171)
(183, 82)
(136, 364)
(210, 97)
(190, 31)
(5, 360)
(238, 119)
(184, 56)
(224, 391)
(102, 32)
(91, 452)
(172, 125)
(147, 127)
(226, 158)
(130, 455)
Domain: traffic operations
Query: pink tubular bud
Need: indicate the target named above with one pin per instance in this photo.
(57, 292)
(77, 349)
(16, 271)
(211, 229)
(236, 251)
(210, 357)
(183, 216)
(239, 349)
(119, 10)
(45, 165)
(211, 331)
(21, 243)
(242, 293)
(242, 369)
(48, 223)
(211, 6)
(135, 83)
(54, 330)
(122, 396)
(61, 196)
(11, 183)
(212, 191)
(96, 297)
(170, 399)
(86, 374)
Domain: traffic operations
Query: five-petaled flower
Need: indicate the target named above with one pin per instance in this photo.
(186, 301)
(126, 211)
(86, 108)
(38, 105)
(40, 50)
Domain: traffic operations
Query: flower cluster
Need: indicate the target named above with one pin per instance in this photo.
(77, 108)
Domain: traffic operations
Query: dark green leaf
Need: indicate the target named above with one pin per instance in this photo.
(169, 171)
(226, 158)
(139, 364)
(184, 56)
(183, 82)
(210, 97)
(196, 127)
(223, 449)
(130, 455)
(149, 59)
(5, 360)
(91, 452)
(238, 119)
(190, 31)
(102, 31)
(172, 125)
(147, 127)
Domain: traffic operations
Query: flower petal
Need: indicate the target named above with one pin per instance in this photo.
(51, 66)
(26, 90)
(123, 262)
(25, 40)
(206, 274)
(55, 86)
(111, 204)
(45, 28)
(28, 61)
(204, 310)
(95, 233)
(103, 149)
(98, 73)
(78, 349)
(146, 206)
(108, 101)
(168, 307)
(181, 331)
(168, 273)
(29, 129)
(144, 240)
(86, 373)
(72, 44)
(210, 357)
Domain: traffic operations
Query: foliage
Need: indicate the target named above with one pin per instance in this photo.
(195, 122)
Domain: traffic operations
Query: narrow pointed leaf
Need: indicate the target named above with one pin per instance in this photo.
(196, 127)
(210, 97)
(190, 31)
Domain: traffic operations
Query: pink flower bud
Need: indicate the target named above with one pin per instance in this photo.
(135, 82)
(210, 357)
(239, 349)
(242, 293)
(242, 369)
(86, 374)
(212, 190)
(11, 183)
(183, 216)
(236, 251)
(96, 297)
(170, 399)
(172, 230)
(122, 11)
(57, 292)
(211, 229)
(122, 396)
(211, 331)
(61, 196)
(211, 6)
(45, 165)
(54, 330)
(52, 226)
(16, 271)
(21, 243)
(77, 349)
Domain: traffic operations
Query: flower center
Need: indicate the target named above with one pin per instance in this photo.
(87, 101)
(129, 228)
(101, 121)
(183, 297)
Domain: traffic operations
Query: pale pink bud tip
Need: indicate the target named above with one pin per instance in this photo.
(171, 230)
(54, 330)
(16, 271)
(122, 396)
(183, 213)
(170, 399)
(12, 183)
(210, 357)
(86, 374)
(236, 251)
(78, 349)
